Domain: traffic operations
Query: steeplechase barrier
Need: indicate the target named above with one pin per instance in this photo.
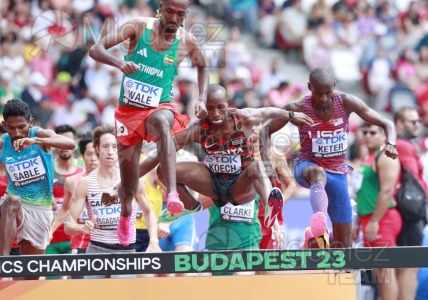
(305, 273)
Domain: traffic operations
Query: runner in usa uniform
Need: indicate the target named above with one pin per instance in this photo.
(26, 209)
(321, 161)
(156, 48)
(229, 173)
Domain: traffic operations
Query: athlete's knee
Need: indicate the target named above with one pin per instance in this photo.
(128, 192)
(11, 205)
(161, 123)
(316, 174)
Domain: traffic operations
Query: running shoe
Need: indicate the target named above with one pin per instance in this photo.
(125, 230)
(273, 207)
(317, 231)
(173, 204)
(167, 217)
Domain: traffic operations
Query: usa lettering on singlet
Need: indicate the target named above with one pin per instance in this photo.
(238, 213)
(325, 142)
(105, 229)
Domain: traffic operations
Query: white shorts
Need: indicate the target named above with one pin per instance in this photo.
(35, 225)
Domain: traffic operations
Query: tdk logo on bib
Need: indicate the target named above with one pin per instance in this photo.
(24, 165)
(143, 87)
(141, 94)
(223, 163)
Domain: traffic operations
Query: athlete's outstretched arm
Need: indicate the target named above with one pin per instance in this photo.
(253, 116)
(198, 59)
(356, 105)
(128, 31)
(46, 139)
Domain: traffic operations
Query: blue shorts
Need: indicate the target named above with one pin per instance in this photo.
(182, 233)
(339, 204)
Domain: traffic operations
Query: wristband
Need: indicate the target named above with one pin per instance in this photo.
(291, 115)
(388, 143)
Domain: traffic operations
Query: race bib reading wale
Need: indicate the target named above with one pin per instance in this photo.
(238, 213)
(336, 145)
(223, 163)
(27, 172)
(141, 94)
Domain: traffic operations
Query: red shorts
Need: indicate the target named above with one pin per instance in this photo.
(389, 228)
(130, 123)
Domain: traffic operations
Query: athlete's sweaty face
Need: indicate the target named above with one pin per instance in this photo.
(217, 108)
(321, 92)
(173, 13)
(17, 127)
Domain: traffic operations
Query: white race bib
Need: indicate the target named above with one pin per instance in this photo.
(140, 93)
(330, 146)
(223, 163)
(107, 216)
(238, 213)
(27, 172)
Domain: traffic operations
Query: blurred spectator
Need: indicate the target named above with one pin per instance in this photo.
(236, 51)
(271, 78)
(326, 42)
(406, 68)
(408, 126)
(142, 9)
(293, 24)
(268, 14)
(280, 96)
(43, 63)
(319, 12)
(412, 24)
(35, 95)
(379, 79)
(68, 114)
(245, 10)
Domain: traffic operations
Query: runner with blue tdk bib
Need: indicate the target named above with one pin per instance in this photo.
(156, 48)
(26, 208)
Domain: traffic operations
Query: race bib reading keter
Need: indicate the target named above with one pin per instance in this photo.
(223, 163)
(330, 146)
(141, 94)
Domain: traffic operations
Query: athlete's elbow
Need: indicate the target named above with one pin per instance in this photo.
(94, 51)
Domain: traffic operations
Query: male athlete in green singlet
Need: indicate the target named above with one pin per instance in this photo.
(156, 48)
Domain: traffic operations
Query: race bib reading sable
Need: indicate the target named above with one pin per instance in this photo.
(141, 94)
(223, 163)
(330, 146)
(27, 172)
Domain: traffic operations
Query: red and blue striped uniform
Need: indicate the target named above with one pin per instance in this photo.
(325, 143)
